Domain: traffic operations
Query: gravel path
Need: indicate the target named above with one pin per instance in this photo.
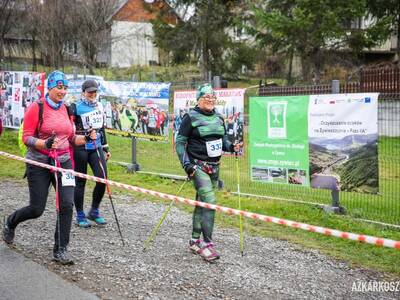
(271, 269)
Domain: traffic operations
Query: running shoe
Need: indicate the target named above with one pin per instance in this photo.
(62, 256)
(94, 215)
(208, 252)
(8, 233)
(195, 245)
(81, 220)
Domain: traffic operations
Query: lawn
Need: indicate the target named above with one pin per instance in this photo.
(159, 157)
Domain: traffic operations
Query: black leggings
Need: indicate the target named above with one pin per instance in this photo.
(82, 158)
(39, 180)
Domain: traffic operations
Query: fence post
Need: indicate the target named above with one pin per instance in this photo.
(75, 72)
(216, 82)
(335, 87)
(134, 166)
(335, 208)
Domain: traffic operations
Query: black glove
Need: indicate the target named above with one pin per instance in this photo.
(190, 169)
(87, 135)
(233, 147)
(49, 142)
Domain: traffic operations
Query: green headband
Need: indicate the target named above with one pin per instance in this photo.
(204, 89)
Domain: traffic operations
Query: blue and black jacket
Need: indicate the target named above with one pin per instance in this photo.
(79, 110)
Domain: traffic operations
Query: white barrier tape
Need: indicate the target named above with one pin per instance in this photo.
(230, 211)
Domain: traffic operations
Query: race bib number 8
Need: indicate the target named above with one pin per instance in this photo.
(214, 148)
(68, 179)
(92, 119)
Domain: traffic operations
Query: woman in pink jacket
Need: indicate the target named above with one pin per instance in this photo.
(49, 140)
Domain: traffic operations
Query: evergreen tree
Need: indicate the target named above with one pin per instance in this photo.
(204, 33)
(388, 12)
(311, 29)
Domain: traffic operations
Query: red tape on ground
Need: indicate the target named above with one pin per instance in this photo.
(231, 211)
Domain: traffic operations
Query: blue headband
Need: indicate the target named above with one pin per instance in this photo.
(56, 78)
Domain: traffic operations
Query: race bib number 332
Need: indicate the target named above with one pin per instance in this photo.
(214, 148)
(92, 119)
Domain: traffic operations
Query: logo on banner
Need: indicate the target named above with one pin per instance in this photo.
(277, 119)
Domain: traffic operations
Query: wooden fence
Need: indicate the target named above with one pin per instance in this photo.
(385, 81)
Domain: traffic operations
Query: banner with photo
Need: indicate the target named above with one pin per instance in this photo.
(230, 104)
(321, 141)
(75, 86)
(137, 109)
(18, 90)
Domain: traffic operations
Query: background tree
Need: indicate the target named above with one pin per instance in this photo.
(8, 19)
(30, 26)
(92, 20)
(388, 11)
(54, 29)
(203, 34)
(177, 40)
(311, 29)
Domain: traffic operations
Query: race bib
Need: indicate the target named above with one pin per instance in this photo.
(67, 179)
(92, 119)
(214, 148)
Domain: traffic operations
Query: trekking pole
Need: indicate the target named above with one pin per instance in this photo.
(57, 196)
(240, 204)
(166, 212)
(109, 192)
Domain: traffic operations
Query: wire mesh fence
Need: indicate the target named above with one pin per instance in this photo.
(160, 158)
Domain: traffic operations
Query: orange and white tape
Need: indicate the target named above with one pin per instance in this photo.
(230, 211)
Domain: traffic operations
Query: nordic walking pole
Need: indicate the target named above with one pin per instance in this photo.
(109, 193)
(166, 212)
(57, 192)
(240, 203)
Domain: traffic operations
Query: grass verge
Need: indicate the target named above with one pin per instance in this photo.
(356, 254)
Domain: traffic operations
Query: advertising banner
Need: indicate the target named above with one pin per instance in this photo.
(229, 104)
(17, 91)
(137, 109)
(322, 141)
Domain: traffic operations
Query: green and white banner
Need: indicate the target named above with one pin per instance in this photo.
(322, 141)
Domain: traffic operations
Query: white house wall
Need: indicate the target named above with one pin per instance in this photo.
(132, 45)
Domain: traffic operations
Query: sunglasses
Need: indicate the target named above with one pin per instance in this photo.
(93, 92)
(209, 98)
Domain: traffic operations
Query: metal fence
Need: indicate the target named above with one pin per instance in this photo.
(384, 207)
(160, 158)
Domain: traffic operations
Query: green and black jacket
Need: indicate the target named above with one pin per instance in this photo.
(197, 128)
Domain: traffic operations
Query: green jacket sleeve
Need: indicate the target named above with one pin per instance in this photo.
(180, 146)
(181, 141)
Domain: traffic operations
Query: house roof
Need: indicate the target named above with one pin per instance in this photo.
(134, 10)
(119, 6)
